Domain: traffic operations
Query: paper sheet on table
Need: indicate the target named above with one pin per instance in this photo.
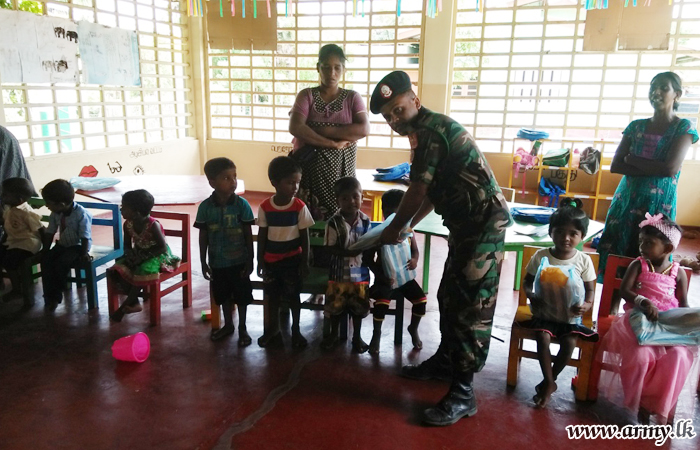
(531, 230)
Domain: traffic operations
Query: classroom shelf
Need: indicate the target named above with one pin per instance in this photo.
(596, 191)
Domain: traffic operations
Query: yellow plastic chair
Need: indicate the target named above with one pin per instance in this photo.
(519, 335)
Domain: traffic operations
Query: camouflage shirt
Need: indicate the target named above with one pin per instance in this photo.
(446, 158)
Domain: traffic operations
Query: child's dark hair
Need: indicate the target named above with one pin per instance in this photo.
(215, 166)
(282, 167)
(18, 186)
(569, 212)
(346, 184)
(391, 199)
(58, 191)
(651, 230)
(139, 200)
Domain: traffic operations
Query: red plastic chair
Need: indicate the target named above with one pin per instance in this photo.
(154, 288)
(609, 307)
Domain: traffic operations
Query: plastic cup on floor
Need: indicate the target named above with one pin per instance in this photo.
(132, 348)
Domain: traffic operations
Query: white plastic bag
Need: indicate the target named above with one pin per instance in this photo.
(557, 289)
(394, 261)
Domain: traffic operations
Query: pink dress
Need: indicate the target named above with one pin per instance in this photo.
(651, 376)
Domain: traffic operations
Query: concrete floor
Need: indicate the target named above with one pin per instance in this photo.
(60, 388)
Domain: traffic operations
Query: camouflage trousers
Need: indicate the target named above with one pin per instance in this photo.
(469, 286)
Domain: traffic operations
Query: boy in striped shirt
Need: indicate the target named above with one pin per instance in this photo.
(283, 248)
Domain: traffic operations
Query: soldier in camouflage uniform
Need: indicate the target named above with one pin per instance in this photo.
(451, 175)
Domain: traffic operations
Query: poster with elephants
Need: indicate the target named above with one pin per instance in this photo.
(38, 49)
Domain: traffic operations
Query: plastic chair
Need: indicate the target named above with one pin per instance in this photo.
(101, 255)
(154, 289)
(518, 335)
(609, 306)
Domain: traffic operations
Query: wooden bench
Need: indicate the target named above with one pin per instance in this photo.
(83, 274)
(314, 285)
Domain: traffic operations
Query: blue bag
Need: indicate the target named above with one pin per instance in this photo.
(532, 135)
(551, 190)
(535, 214)
(677, 326)
(392, 173)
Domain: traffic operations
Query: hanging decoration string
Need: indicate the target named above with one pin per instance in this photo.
(269, 15)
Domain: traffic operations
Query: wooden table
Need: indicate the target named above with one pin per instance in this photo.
(375, 189)
(167, 190)
(432, 226)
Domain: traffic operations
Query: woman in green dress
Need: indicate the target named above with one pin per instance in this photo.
(649, 156)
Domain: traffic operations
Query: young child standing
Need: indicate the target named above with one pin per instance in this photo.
(567, 227)
(651, 376)
(74, 226)
(146, 254)
(225, 224)
(283, 248)
(348, 279)
(23, 229)
(382, 288)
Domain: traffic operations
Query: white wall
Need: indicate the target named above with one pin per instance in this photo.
(176, 157)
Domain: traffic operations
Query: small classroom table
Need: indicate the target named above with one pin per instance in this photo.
(375, 189)
(432, 226)
(167, 190)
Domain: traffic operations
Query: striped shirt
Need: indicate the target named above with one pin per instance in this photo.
(72, 226)
(283, 224)
(341, 234)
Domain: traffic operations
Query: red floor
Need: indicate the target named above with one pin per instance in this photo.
(60, 388)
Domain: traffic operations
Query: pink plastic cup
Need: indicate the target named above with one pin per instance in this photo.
(132, 348)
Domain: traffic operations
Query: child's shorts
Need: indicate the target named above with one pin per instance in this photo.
(12, 258)
(282, 280)
(231, 284)
(347, 296)
(411, 291)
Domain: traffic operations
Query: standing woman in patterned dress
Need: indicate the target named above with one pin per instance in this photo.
(649, 156)
(326, 121)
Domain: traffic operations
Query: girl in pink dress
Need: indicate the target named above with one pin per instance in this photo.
(651, 376)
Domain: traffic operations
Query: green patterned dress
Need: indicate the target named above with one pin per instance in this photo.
(636, 196)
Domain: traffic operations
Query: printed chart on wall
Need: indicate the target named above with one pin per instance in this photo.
(110, 55)
(37, 49)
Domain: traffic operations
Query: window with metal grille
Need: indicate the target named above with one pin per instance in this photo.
(251, 92)
(60, 117)
(520, 64)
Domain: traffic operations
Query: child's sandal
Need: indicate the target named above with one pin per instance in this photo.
(244, 340)
(299, 341)
(267, 340)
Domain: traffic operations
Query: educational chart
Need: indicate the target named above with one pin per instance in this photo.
(37, 49)
(110, 55)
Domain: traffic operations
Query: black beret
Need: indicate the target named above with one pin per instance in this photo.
(391, 86)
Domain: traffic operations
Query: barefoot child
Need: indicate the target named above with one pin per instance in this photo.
(74, 226)
(651, 377)
(567, 227)
(146, 254)
(383, 286)
(225, 231)
(283, 248)
(23, 229)
(348, 278)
